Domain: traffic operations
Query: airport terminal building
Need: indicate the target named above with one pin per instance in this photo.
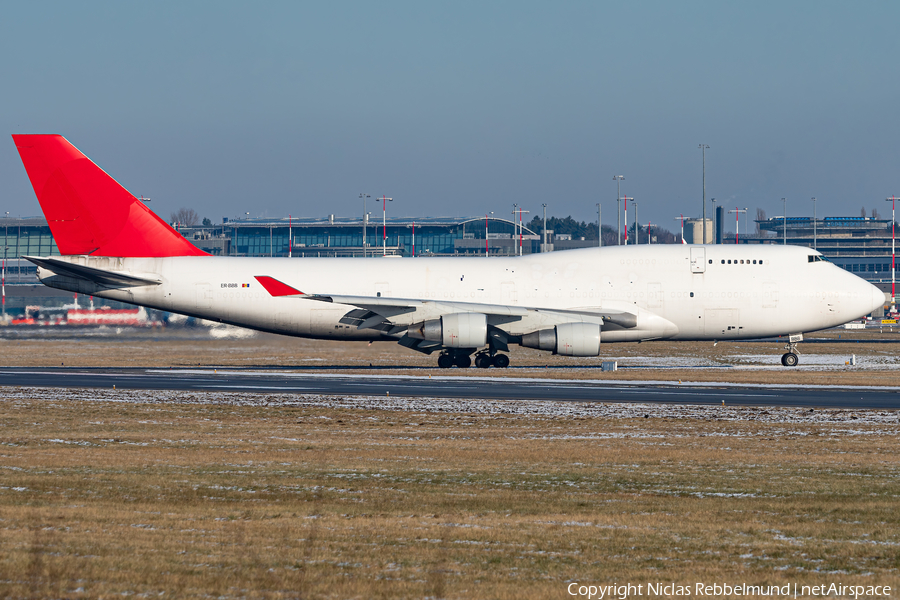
(861, 245)
(347, 236)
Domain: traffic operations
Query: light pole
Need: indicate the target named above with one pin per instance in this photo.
(544, 249)
(625, 199)
(703, 147)
(637, 235)
(893, 255)
(649, 225)
(384, 201)
(486, 249)
(515, 226)
(519, 225)
(364, 196)
(599, 228)
(784, 220)
(737, 213)
(3, 286)
(521, 230)
(3, 276)
(618, 179)
(715, 224)
(681, 218)
(814, 222)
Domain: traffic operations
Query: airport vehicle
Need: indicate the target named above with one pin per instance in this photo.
(567, 303)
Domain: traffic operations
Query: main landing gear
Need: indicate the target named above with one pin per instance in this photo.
(790, 358)
(447, 360)
(483, 360)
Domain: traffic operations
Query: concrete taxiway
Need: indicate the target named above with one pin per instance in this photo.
(257, 381)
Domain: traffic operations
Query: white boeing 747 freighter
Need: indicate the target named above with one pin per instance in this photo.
(567, 303)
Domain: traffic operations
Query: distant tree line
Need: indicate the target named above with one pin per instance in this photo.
(188, 217)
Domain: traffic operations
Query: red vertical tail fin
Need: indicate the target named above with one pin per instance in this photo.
(87, 210)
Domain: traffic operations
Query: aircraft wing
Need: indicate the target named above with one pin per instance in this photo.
(497, 313)
(376, 312)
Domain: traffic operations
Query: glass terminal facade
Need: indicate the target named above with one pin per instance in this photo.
(430, 236)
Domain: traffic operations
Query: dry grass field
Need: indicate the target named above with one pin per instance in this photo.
(181, 494)
(139, 494)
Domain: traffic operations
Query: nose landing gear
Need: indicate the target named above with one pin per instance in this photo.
(790, 358)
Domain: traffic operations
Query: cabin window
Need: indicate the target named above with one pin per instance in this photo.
(692, 294)
(754, 261)
(723, 261)
(710, 261)
(729, 261)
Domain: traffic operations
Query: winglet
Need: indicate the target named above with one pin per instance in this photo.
(277, 288)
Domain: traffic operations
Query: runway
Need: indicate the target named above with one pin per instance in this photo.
(297, 382)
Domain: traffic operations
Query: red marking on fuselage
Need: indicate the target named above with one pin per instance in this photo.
(277, 288)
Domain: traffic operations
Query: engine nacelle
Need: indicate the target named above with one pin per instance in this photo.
(459, 330)
(567, 339)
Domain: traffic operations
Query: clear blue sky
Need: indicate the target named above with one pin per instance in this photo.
(460, 108)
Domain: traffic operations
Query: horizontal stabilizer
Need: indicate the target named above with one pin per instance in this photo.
(116, 279)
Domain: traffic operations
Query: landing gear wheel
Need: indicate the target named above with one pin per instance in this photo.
(789, 359)
(501, 361)
(444, 361)
(463, 361)
(483, 361)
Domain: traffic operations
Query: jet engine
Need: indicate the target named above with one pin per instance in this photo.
(458, 330)
(567, 339)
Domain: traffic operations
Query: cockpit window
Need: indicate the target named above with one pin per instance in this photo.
(817, 258)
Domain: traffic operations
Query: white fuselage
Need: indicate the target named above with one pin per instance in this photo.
(678, 291)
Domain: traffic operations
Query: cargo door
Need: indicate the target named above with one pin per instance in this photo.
(698, 259)
(204, 296)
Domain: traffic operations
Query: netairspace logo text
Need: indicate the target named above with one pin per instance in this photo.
(629, 590)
